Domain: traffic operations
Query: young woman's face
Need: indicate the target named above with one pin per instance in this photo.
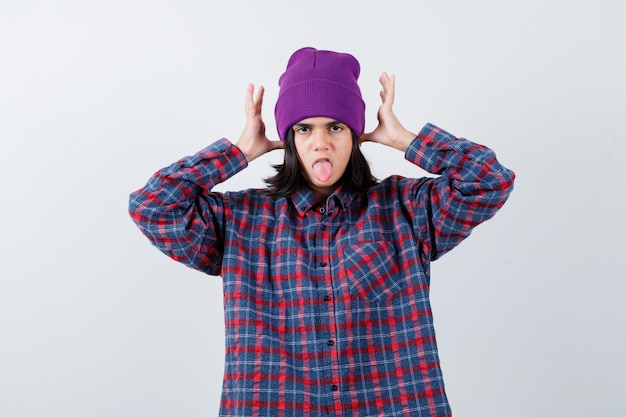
(324, 147)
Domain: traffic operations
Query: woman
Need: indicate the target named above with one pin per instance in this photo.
(326, 271)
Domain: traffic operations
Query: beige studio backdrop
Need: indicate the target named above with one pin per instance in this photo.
(97, 95)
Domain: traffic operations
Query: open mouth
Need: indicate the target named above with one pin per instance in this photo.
(323, 169)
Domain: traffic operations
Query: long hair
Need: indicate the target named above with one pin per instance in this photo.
(289, 178)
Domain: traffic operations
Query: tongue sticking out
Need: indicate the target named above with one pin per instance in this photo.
(323, 170)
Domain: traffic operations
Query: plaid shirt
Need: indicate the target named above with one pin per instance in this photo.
(326, 303)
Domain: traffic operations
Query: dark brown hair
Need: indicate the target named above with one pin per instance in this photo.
(289, 178)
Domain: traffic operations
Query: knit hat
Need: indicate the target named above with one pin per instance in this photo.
(320, 83)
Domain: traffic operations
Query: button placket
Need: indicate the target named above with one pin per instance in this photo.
(327, 223)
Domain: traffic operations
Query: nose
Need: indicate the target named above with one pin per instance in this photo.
(321, 139)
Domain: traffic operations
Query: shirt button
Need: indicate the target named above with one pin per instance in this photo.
(330, 343)
(323, 263)
(334, 387)
(327, 298)
(322, 210)
(330, 213)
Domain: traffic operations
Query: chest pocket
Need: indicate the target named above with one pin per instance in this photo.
(372, 271)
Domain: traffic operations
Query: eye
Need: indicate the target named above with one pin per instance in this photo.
(336, 128)
(301, 129)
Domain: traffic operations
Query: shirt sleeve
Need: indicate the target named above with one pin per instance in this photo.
(471, 187)
(179, 214)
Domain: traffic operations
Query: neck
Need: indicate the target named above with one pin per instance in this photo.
(322, 193)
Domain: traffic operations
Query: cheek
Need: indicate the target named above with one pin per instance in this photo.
(299, 152)
(346, 151)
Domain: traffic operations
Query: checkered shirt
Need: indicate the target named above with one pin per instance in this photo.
(327, 309)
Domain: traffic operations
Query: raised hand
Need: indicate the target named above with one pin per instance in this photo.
(253, 141)
(389, 131)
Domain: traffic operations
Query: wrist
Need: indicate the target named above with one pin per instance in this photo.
(245, 153)
(403, 140)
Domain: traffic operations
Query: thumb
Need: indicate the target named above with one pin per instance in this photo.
(277, 144)
(367, 137)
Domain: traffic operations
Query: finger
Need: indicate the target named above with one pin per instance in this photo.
(389, 86)
(258, 103)
(249, 103)
(383, 80)
(392, 88)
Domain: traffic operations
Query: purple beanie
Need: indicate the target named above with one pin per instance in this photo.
(320, 84)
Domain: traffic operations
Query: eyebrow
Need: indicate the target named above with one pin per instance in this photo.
(331, 123)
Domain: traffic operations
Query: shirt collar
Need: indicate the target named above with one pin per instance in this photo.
(304, 199)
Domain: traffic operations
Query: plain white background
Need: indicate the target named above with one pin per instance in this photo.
(97, 95)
